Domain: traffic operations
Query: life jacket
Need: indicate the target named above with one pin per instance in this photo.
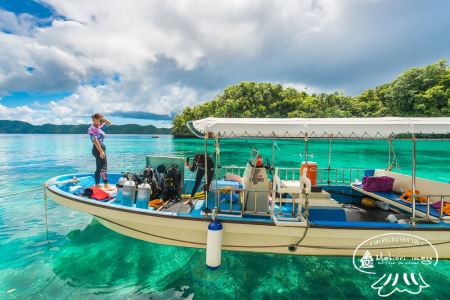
(96, 193)
(446, 209)
(408, 196)
(156, 203)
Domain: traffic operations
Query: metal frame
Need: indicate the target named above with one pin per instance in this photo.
(206, 171)
(413, 182)
(341, 175)
(306, 138)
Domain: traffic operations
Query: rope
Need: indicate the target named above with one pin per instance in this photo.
(21, 192)
(46, 212)
(45, 203)
(263, 246)
(293, 247)
(394, 161)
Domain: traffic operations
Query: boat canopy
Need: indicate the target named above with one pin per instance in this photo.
(361, 128)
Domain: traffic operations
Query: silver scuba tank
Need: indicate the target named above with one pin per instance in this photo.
(128, 193)
(119, 186)
(143, 195)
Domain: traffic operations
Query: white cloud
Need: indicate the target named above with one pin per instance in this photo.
(22, 113)
(104, 38)
(170, 54)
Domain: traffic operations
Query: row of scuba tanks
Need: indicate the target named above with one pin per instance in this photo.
(148, 185)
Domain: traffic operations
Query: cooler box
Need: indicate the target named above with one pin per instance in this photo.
(311, 173)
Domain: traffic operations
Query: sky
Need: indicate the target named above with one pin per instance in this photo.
(143, 61)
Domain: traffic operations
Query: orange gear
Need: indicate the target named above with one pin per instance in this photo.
(407, 196)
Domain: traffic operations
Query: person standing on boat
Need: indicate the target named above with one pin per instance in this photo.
(97, 136)
(200, 165)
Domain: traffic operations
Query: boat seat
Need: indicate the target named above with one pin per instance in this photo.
(394, 199)
(320, 199)
(289, 186)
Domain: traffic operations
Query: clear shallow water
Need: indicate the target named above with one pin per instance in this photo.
(84, 259)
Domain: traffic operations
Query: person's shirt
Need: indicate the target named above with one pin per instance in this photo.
(96, 132)
(199, 162)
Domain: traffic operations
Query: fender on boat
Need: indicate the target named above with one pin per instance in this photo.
(214, 245)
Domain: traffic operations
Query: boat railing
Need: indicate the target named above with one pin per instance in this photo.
(236, 170)
(339, 175)
(441, 198)
(324, 175)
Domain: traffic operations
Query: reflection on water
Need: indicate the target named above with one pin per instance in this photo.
(84, 258)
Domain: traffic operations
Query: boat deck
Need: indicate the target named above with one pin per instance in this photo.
(394, 199)
(343, 208)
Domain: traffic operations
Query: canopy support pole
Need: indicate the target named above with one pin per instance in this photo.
(303, 191)
(389, 155)
(205, 146)
(306, 150)
(273, 151)
(329, 160)
(413, 183)
(216, 169)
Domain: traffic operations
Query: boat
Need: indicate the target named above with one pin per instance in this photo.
(271, 209)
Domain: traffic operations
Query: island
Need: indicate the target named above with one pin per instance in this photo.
(418, 92)
(18, 127)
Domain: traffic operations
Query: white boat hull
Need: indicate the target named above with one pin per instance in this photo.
(254, 237)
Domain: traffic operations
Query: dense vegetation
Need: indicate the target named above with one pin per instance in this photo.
(23, 127)
(418, 91)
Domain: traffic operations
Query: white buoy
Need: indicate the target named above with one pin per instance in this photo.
(214, 245)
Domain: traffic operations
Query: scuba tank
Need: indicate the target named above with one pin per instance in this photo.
(143, 195)
(128, 193)
(119, 186)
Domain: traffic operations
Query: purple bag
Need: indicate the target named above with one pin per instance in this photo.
(378, 184)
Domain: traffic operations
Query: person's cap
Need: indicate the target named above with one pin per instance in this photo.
(97, 116)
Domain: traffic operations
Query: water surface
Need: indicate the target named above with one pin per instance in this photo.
(87, 260)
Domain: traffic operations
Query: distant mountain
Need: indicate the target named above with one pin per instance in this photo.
(23, 127)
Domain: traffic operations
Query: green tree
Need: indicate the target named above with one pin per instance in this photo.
(423, 91)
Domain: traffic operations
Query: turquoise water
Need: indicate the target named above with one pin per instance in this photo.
(86, 260)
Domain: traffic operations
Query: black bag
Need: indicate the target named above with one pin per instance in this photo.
(172, 183)
(161, 169)
(150, 175)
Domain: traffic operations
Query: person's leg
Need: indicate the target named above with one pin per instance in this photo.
(98, 166)
(209, 180)
(104, 172)
(198, 180)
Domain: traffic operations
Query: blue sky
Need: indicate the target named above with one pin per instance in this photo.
(144, 61)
